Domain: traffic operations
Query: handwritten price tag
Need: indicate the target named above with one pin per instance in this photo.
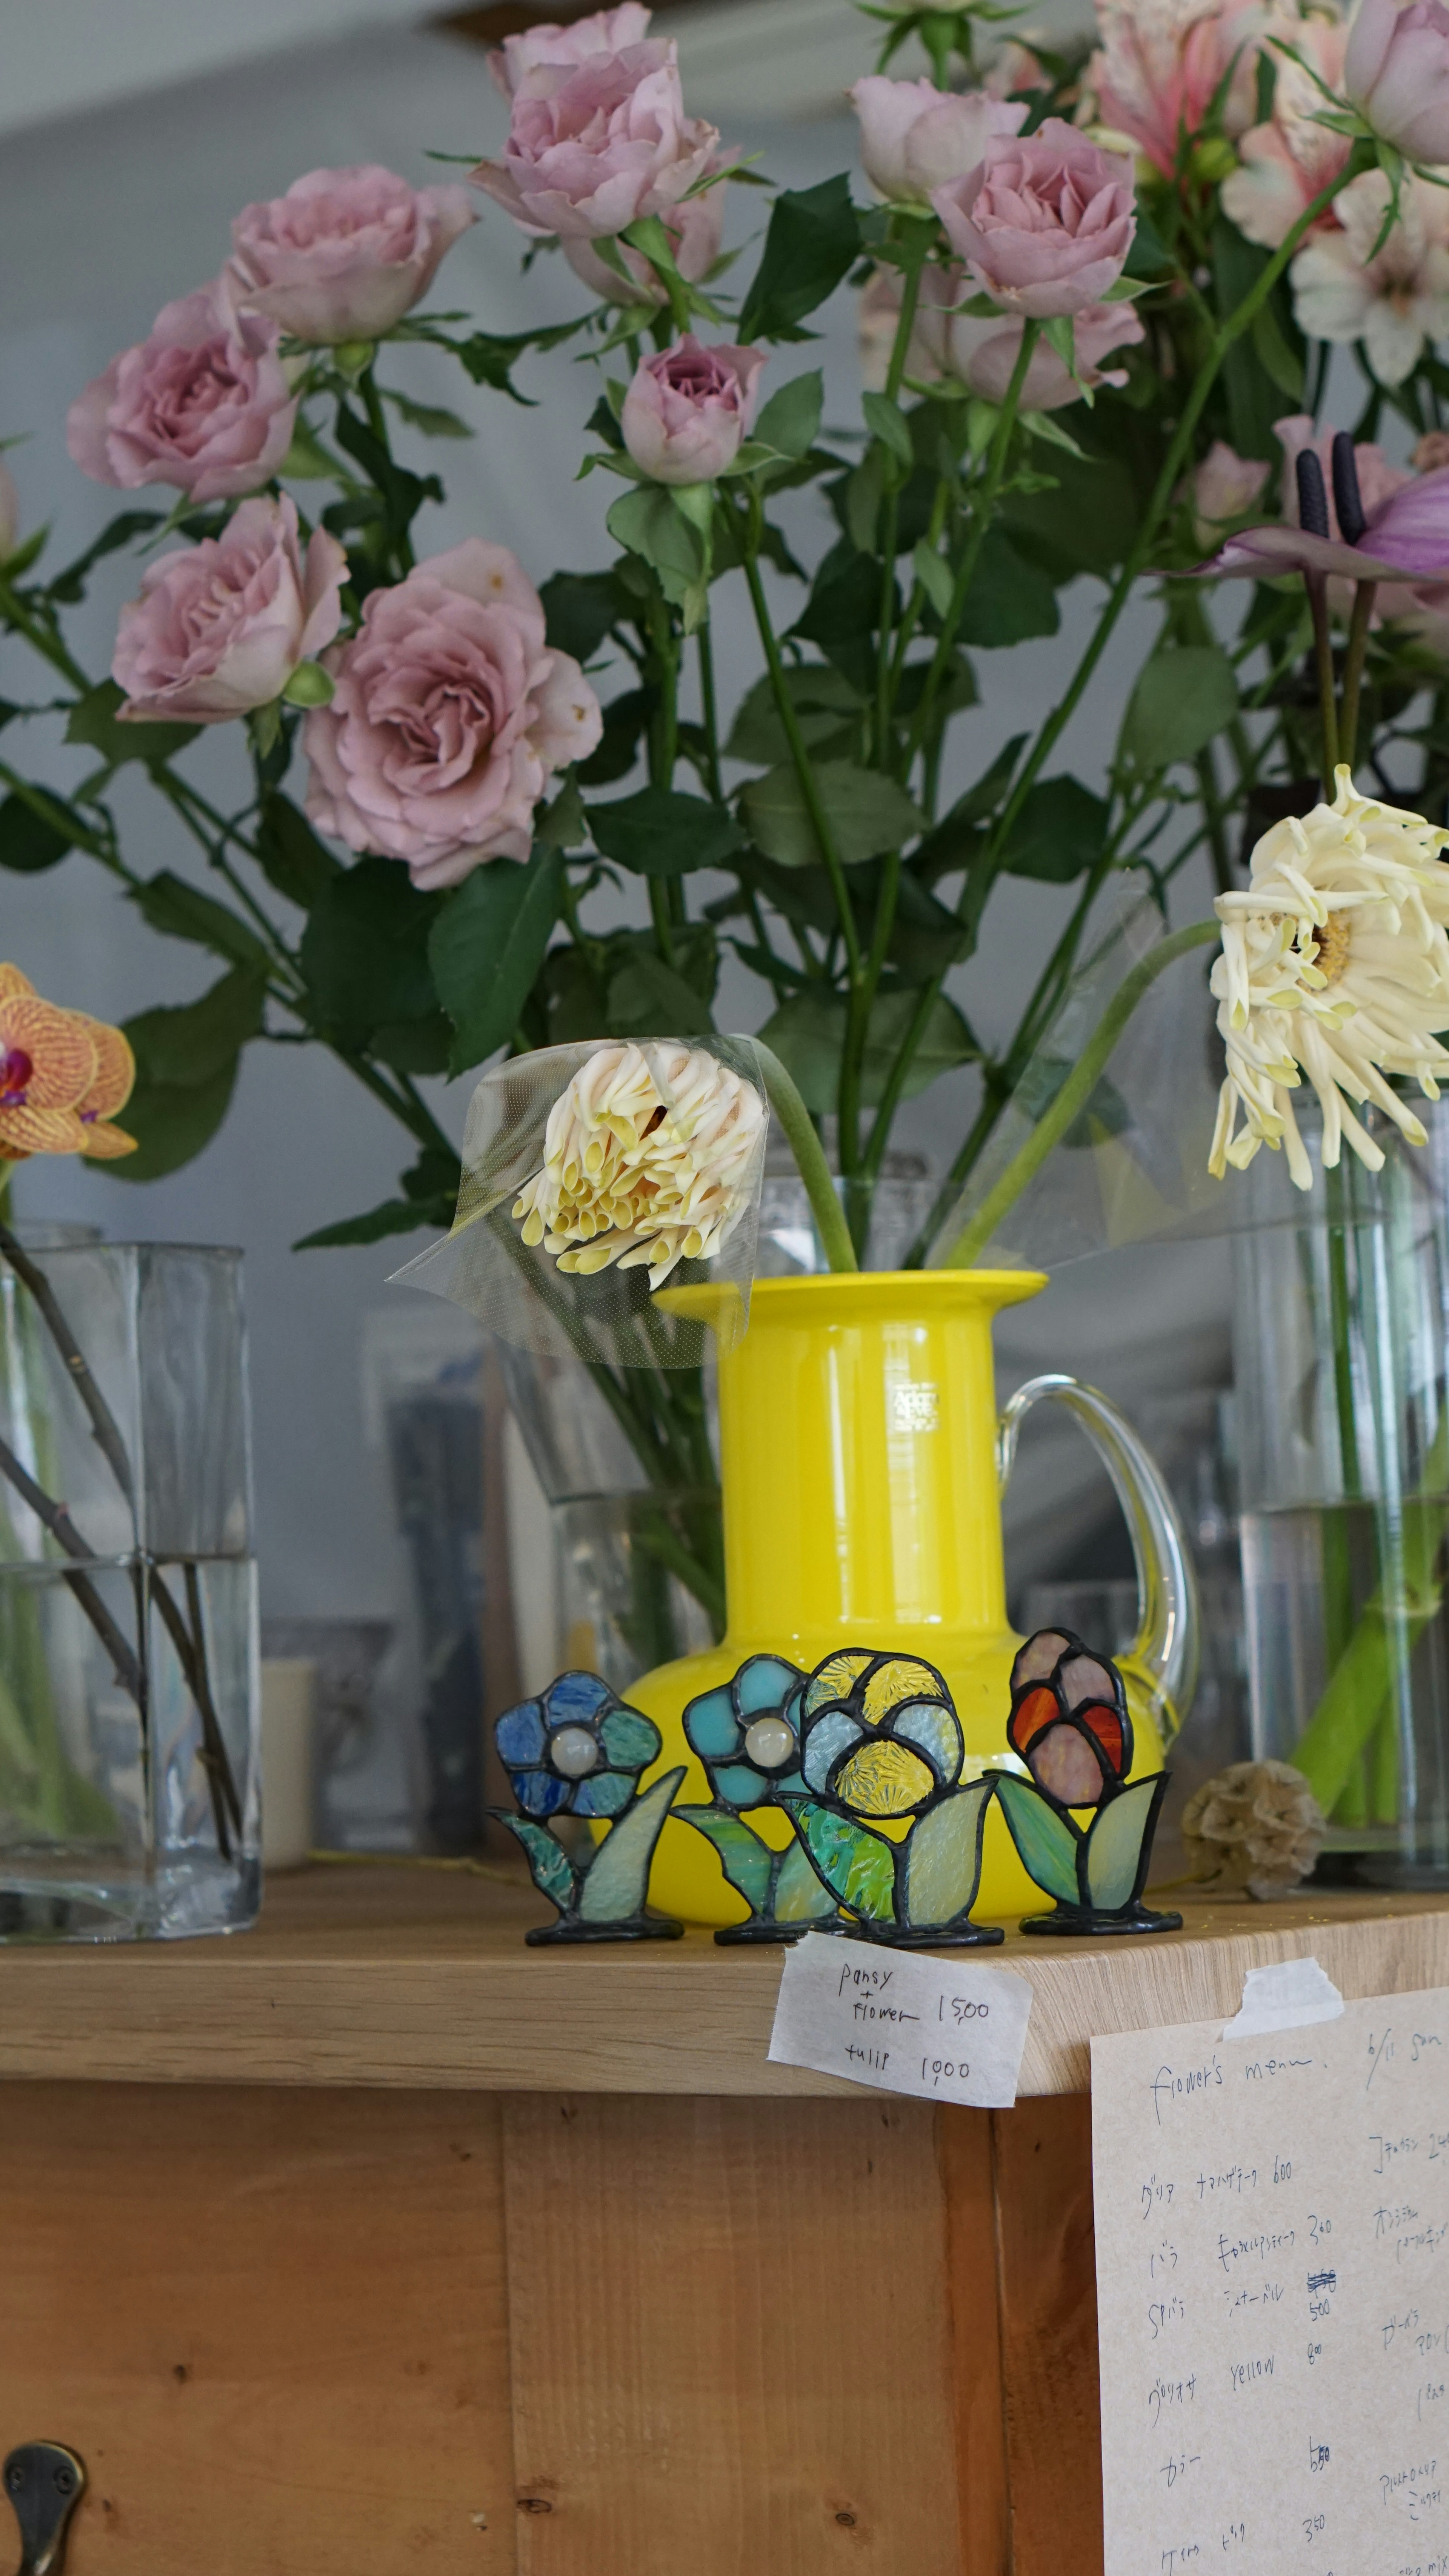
(944, 2029)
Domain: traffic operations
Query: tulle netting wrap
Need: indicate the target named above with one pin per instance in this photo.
(579, 1138)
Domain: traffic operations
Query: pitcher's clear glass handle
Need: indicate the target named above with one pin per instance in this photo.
(1164, 1655)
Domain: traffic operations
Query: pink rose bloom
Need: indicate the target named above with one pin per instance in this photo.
(220, 628)
(345, 254)
(203, 403)
(9, 512)
(694, 229)
(981, 350)
(1396, 73)
(914, 137)
(687, 410)
(1045, 223)
(1224, 486)
(1162, 63)
(593, 147)
(607, 31)
(450, 717)
(1287, 162)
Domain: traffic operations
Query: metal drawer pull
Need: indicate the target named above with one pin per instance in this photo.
(44, 2482)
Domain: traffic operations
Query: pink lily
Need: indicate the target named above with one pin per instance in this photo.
(1405, 539)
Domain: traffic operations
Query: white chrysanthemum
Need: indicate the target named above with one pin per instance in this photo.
(650, 1158)
(1335, 961)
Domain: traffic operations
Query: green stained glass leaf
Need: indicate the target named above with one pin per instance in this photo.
(858, 1866)
(942, 1861)
(553, 1874)
(629, 1740)
(1114, 1844)
(616, 1878)
(1046, 1841)
(799, 1895)
(744, 1859)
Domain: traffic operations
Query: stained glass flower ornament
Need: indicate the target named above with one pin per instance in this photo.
(1069, 1725)
(890, 1827)
(578, 1750)
(746, 1732)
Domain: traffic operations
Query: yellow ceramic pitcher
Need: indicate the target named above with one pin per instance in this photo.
(862, 1459)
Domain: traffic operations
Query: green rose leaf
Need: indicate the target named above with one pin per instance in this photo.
(186, 1067)
(95, 721)
(1115, 1843)
(365, 952)
(813, 240)
(660, 833)
(807, 1033)
(1010, 600)
(168, 904)
(1182, 698)
(826, 706)
(858, 1866)
(69, 585)
(487, 945)
(1060, 832)
(292, 858)
(650, 524)
(866, 813)
(647, 999)
(31, 841)
(790, 421)
(580, 608)
(1046, 1841)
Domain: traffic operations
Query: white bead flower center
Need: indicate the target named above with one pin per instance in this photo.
(574, 1752)
(770, 1743)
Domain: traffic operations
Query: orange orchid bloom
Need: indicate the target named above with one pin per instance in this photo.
(62, 1077)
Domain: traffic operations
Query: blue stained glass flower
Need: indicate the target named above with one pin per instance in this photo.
(747, 1733)
(576, 1750)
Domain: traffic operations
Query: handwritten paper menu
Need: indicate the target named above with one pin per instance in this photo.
(1272, 2221)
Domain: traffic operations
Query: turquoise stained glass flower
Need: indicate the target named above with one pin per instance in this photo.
(747, 1733)
(576, 1750)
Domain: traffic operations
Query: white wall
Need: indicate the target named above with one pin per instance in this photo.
(106, 216)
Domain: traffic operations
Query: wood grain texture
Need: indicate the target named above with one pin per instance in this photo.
(411, 1977)
(1048, 2323)
(965, 2155)
(731, 2349)
(273, 2326)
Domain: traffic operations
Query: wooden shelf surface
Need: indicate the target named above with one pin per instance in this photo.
(403, 1976)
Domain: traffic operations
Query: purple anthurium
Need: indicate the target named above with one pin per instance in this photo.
(1405, 539)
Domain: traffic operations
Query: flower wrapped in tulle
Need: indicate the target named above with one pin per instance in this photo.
(1335, 964)
(1069, 1727)
(594, 1174)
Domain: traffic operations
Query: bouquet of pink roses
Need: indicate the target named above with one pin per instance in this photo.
(1098, 302)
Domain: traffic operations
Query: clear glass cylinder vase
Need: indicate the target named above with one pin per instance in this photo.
(129, 1687)
(1341, 1354)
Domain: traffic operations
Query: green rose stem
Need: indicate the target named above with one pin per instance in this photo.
(810, 1160)
(1223, 341)
(1075, 1091)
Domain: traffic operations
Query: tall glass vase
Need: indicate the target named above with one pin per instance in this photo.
(129, 1789)
(1341, 1355)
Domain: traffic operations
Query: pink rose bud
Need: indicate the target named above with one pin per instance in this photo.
(593, 147)
(345, 254)
(203, 403)
(1047, 221)
(606, 31)
(1396, 73)
(450, 716)
(687, 410)
(9, 513)
(1223, 487)
(981, 350)
(694, 229)
(220, 628)
(915, 137)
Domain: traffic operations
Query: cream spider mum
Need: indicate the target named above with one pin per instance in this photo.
(1334, 964)
(650, 1158)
